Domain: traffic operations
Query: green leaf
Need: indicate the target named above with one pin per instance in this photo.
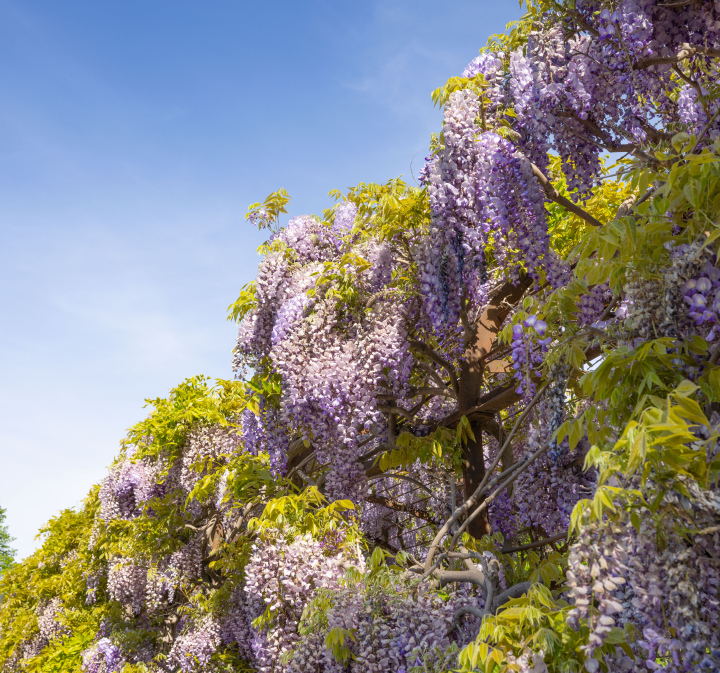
(685, 389)
(692, 411)
(637, 452)
(615, 636)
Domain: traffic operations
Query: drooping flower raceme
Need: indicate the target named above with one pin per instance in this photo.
(528, 348)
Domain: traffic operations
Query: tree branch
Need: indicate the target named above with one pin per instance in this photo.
(307, 479)
(374, 452)
(404, 477)
(448, 576)
(510, 476)
(514, 591)
(606, 143)
(473, 500)
(584, 24)
(401, 507)
(468, 331)
(392, 409)
(706, 129)
(558, 198)
(426, 350)
(515, 427)
(425, 390)
(460, 612)
(686, 51)
(445, 392)
(533, 545)
(431, 372)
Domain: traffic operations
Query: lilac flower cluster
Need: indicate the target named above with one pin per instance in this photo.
(487, 64)
(543, 498)
(282, 577)
(514, 212)
(481, 191)
(579, 93)
(689, 109)
(424, 174)
(331, 365)
(260, 218)
(126, 583)
(702, 295)
(92, 583)
(677, 589)
(392, 631)
(193, 649)
(592, 305)
(331, 542)
(596, 569)
(266, 433)
(491, 67)
(345, 215)
(694, 113)
(103, 657)
(528, 349)
(426, 495)
(49, 627)
(685, 303)
(311, 241)
(254, 333)
(331, 378)
(235, 623)
(452, 258)
(206, 447)
(528, 661)
(181, 569)
(541, 82)
(123, 492)
(545, 494)
(150, 584)
(670, 308)
(671, 595)
(643, 309)
(285, 274)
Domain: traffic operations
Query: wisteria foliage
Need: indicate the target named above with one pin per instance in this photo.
(475, 421)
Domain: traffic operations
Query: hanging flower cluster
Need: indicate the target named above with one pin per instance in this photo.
(528, 349)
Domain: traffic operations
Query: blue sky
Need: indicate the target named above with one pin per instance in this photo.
(133, 136)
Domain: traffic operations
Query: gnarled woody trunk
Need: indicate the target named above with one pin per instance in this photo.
(478, 345)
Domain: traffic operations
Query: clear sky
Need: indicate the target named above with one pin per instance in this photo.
(133, 136)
